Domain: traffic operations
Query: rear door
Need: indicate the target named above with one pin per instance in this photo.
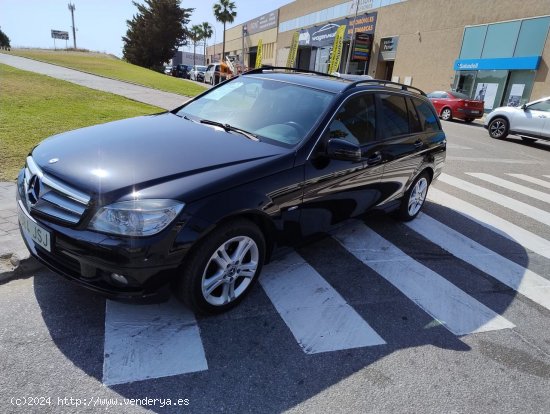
(408, 126)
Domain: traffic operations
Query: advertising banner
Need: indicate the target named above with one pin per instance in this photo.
(260, 24)
(259, 55)
(388, 47)
(324, 36)
(291, 61)
(337, 50)
(58, 34)
(362, 46)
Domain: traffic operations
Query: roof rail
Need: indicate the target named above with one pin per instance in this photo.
(384, 83)
(268, 67)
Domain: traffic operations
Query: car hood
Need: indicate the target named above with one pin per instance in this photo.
(142, 152)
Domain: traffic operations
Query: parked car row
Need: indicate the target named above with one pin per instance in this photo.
(530, 121)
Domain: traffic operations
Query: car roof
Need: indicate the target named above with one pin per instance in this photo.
(324, 81)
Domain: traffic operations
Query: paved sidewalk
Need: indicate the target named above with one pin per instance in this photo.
(165, 100)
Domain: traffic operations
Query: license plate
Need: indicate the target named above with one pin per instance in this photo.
(38, 234)
(475, 112)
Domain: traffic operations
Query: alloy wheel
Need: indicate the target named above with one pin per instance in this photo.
(230, 270)
(446, 114)
(417, 196)
(497, 128)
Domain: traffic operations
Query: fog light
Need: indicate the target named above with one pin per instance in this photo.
(119, 278)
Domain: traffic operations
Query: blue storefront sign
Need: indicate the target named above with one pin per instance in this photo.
(513, 63)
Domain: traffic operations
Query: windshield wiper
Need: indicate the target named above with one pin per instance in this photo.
(228, 128)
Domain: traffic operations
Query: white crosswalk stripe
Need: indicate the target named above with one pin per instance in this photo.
(492, 222)
(523, 208)
(539, 195)
(530, 179)
(447, 304)
(522, 280)
(161, 340)
(150, 341)
(318, 317)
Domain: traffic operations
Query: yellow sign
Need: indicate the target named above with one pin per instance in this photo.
(337, 50)
(291, 61)
(259, 55)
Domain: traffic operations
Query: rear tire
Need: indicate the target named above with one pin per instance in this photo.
(446, 114)
(414, 198)
(222, 268)
(498, 128)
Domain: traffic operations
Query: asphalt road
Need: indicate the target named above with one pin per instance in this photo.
(450, 315)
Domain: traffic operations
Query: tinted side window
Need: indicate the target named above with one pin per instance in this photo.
(541, 106)
(394, 115)
(355, 120)
(414, 119)
(428, 118)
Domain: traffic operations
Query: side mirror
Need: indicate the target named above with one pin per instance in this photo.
(524, 107)
(340, 149)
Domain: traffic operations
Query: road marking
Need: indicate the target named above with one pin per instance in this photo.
(505, 201)
(518, 188)
(497, 160)
(523, 280)
(447, 304)
(318, 317)
(532, 180)
(456, 146)
(150, 341)
(492, 222)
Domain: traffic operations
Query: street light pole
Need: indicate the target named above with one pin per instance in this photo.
(71, 8)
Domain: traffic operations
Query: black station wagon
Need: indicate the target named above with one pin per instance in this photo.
(197, 198)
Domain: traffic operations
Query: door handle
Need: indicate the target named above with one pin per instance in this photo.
(375, 159)
(418, 144)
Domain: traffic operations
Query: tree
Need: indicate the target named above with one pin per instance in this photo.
(224, 12)
(4, 40)
(195, 34)
(206, 31)
(155, 32)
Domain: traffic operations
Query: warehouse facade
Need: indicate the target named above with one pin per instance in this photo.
(497, 49)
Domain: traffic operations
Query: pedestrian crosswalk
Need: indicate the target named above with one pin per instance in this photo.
(161, 340)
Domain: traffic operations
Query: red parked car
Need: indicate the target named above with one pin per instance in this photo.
(451, 105)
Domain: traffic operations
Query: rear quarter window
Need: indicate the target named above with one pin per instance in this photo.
(394, 115)
(428, 118)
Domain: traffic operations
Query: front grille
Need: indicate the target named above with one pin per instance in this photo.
(51, 197)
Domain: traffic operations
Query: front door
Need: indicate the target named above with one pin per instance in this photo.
(334, 189)
(533, 119)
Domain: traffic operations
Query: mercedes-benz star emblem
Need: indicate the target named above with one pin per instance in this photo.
(34, 189)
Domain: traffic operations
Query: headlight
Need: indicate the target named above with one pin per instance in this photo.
(136, 217)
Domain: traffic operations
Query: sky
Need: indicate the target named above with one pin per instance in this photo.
(102, 23)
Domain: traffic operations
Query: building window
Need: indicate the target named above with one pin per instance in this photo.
(472, 44)
(500, 41)
(532, 36)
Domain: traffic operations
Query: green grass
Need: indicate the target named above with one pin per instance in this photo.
(33, 107)
(112, 67)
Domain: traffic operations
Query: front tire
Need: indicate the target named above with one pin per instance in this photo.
(498, 128)
(446, 114)
(222, 268)
(414, 198)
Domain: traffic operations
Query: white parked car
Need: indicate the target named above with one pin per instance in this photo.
(530, 121)
(197, 73)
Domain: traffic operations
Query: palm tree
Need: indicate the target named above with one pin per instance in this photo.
(195, 34)
(206, 31)
(224, 12)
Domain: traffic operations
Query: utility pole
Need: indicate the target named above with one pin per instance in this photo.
(71, 8)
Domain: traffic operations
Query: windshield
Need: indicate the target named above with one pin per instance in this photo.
(269, 109)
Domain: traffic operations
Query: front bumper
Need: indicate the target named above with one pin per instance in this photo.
(90, 259)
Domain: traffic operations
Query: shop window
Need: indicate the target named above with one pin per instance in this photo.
(395, 116)
(472, 43)
(532, 36)
(519, 87)
(500, 41)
